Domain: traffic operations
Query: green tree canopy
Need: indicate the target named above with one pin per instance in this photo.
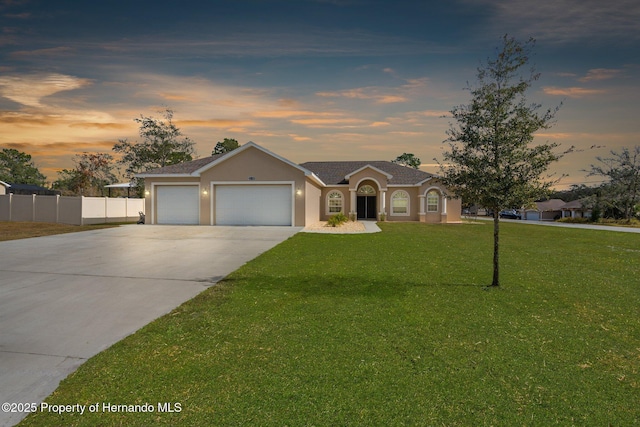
(162, 144)
(91, 173)
(225, 146)
(622, 169)
(408, 159)
(491, 160)
(17, 167)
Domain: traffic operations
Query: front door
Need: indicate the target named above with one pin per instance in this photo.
(366, 207)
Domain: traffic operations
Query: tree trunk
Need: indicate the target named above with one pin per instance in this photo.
(496, 246)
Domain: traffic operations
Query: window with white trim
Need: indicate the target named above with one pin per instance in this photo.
(433, 199)
(334, 202)
(400, 203)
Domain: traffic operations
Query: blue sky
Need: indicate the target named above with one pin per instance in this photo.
(307, 79)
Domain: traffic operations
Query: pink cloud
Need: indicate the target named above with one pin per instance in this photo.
(572, 92)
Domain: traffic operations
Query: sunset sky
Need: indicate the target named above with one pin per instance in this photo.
(308, 79)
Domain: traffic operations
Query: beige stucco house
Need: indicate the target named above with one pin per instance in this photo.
(548, 210)
(253, 186)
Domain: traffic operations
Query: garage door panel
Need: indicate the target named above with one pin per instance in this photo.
(253, 204)
(178, 204)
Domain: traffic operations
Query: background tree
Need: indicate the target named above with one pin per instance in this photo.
(17, 167)
(225, 146)
(407, 159)
(162, 145)
(622, 191)
(575, 192)
(490, 161)
(69, 183)
(91, 173)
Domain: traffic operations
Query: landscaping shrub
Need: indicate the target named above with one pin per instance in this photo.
(337, 220)
(575, 220)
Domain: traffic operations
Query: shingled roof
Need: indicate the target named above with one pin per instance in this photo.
(333, 173)
(330, 173)
(185, 168)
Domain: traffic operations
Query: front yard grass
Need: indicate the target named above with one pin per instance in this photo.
(13, 230)
(390, 329)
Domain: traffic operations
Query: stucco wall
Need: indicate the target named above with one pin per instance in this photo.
(254, 166)
(312, 197)
(251, 167)
(377, 179)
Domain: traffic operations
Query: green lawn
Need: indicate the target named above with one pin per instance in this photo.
(390, 329)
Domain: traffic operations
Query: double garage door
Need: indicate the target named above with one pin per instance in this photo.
(261, 204)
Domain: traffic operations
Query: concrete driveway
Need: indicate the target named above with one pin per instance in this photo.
(65, 298)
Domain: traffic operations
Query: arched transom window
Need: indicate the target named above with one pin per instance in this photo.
(334, 202)
(433, 199)
(400, 203)
(367, 190)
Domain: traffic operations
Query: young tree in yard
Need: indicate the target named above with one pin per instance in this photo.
(92, 172)
(407, 159)
(229, 144)
(491, 160)
(623, 171)
(17, 167)
(162, 145)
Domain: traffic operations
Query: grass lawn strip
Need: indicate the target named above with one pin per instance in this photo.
(13, 230)
(393, 328)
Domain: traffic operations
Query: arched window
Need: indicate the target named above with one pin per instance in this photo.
(367, 190)
(400, 203)
(432, 201)
(334, 202)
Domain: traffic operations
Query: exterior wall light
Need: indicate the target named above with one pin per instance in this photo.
(299, 192)
(146, 192)
(205, 192)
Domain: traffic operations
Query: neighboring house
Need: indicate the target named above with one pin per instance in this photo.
(25, 189)
(253, 186)
(575, 209)
(549, 210)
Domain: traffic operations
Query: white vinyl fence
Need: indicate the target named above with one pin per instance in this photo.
(69, 210)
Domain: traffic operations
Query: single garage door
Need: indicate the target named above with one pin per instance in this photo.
(177, 204)
(258, 204)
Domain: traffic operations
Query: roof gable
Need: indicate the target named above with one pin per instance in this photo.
(245, 147)
(550, 205)
(196, 167)
(367, 166)
(575, 204)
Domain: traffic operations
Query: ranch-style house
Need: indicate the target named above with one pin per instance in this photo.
(253, 186)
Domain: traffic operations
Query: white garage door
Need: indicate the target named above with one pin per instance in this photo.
(177, 204)
(253, 204)
(533, 216)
